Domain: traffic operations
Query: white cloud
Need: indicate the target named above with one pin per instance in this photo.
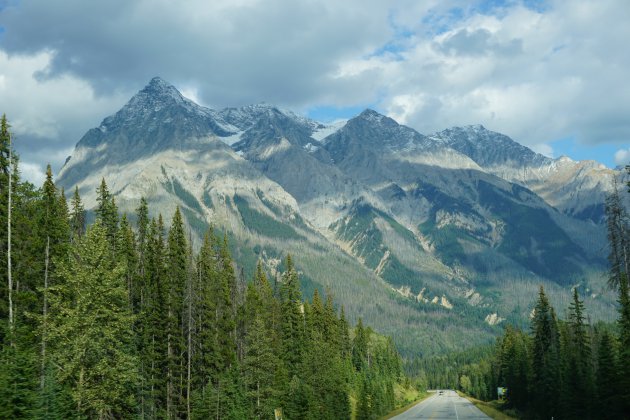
(48, 116)
(535, 75)
(543, 149)
(191, 93)
(32, 172)
(622, 157)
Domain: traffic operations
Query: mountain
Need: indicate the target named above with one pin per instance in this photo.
(432, 239)
(575, 188)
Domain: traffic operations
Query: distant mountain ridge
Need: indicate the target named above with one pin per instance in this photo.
(457, 226)
(575, 188)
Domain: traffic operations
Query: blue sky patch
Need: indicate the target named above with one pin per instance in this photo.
(603, 153)
(328, 114)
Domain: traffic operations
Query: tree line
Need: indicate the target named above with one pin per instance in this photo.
(122, 320)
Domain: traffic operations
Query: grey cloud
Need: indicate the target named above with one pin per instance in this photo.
(503, 71)
(277, 51)
(231, 52)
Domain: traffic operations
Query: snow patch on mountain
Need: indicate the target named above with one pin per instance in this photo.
(324, 131)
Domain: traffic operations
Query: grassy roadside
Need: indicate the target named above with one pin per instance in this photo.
(421, 397)
(492, 409)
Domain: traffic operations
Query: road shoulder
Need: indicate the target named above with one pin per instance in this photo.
(487, 408)
(407, 407)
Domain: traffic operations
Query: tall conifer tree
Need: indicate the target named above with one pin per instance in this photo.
(107, 212)
(177, 273)
(91, 327)
(153, 349)
(607, 379)
(292, 318)
(53, 235)
(545, 358)
(580, 375)
(77, 216)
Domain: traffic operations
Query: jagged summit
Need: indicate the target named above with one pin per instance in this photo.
(157, 85)
(158, 95)
(375, 131)
(369, 113)
(372, 116)
(488, 148)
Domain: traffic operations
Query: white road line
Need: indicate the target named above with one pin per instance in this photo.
(428, 402)
(455, 407)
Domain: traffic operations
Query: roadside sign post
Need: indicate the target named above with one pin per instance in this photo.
(277, 413)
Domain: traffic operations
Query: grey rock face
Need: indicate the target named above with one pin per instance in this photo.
(489, 149)
(577, 189)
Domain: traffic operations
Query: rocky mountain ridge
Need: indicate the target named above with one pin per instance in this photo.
(456, 226)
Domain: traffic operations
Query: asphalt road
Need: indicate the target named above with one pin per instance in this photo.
(446, 406)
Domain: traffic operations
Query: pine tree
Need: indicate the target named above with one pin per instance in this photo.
(177, 273)
(54, 235)
(514, 367)
(580, 373)
(77, 216)
(226, 320)
(297, 401)
(225, 399)
(142, 216)
(270, 310)
(263, 307)
(365, 403)
(323, 371)
(153, 350)
(21, 251)
(360, 347)
(261, 366)
(344, 340)
(18, 380)
(545, 358)
(253, 306)
(331, 327)
(205, 356)
(317, 322)
(140, 297)
(607, 379)
(107, 212)
(292, 319)
(91, 329)
(126, 248)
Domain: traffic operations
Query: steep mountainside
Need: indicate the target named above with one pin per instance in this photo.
(575, 188)
(432, 239)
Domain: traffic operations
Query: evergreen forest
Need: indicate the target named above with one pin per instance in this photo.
(115, 319)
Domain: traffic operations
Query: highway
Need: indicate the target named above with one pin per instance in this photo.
(449, 405)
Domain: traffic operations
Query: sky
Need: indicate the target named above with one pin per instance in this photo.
(553, 75)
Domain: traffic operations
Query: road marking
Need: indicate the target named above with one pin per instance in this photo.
(455, 407)
(429, 401)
